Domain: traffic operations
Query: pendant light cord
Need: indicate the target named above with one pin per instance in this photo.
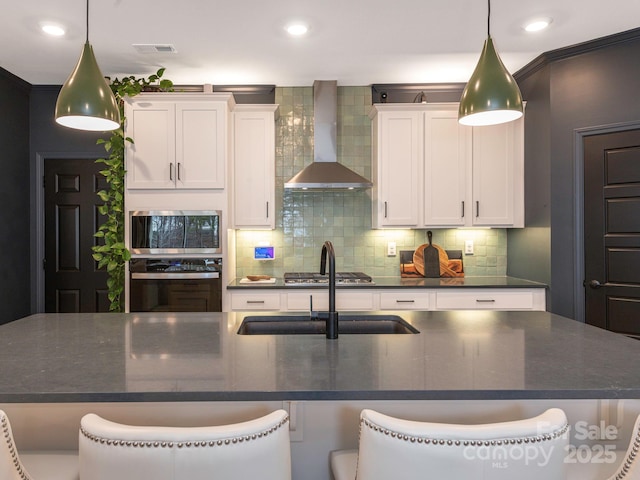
(488, 17)
(87, 21)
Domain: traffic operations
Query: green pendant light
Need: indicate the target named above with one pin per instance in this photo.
(492, 95)
(86, 101)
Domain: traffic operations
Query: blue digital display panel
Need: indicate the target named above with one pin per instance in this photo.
(264, 253)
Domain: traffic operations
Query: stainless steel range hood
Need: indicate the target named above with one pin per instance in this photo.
(325, 173)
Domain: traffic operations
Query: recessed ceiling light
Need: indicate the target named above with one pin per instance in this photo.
(154, 48)
(537, 24)
(52, 29)
(297, 29)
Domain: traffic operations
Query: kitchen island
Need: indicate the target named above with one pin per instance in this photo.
(199, 357)
(193, 369)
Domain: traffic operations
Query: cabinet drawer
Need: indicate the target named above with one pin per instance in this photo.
(404, 300)
(255, 301)
(345, 300)
(300, 301)
(354, 300)
(485, 300)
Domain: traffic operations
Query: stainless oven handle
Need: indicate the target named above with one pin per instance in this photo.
(173, 276)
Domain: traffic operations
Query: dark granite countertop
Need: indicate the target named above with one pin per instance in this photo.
(199, 357)
(397, 282)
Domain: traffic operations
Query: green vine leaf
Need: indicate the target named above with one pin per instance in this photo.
(113, 254)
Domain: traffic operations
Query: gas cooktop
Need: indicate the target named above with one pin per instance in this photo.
(342, 278)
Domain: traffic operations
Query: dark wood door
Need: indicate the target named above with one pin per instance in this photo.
(72, 281)
(612, 231)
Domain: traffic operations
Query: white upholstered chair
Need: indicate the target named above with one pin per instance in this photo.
(33, 465)
(530, 449)
(629, 469)
(256, 449)
(11, 467)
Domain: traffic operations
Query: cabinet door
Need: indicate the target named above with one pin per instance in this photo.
(401, 299)
(399, 159)
(345, 300)
(150, 161)
(200, 145)
(254, 169)
(490, 299)
(498, 177)
(447, 165)
(255, 300)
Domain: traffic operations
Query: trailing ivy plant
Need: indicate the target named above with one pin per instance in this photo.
(112, 253)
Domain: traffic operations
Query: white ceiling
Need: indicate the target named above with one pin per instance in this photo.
(357, 42)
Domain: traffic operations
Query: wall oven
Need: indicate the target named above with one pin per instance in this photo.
(175, 265)
(175, 284)
(175, 232)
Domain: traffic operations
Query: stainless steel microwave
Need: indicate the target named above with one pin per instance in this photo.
(175, 232)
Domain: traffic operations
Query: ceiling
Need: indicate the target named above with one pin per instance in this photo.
(356, 42)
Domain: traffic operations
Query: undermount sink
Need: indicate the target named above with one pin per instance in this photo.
(304, 325)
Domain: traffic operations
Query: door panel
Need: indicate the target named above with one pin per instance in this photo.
(72, 281)
(612, 231)
(68, 242)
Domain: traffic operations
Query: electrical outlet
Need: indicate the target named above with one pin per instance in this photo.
(468, 247)
(391, 249)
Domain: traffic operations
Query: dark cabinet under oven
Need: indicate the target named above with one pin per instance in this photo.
(175, 285)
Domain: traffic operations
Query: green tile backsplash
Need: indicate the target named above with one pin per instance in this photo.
(306, 219)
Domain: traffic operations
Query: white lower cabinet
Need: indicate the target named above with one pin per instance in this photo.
(345, 300)
(405, 300)
(255, 300)
(491, 299)
(373, 299)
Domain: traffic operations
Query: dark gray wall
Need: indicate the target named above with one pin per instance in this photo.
(529, 249)
(14, 198)
(596, 88)
(50, 140)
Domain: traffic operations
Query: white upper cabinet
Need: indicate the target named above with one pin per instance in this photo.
(432, 172)
(397, 166)
(180, 140)
(498, 175)
(447, 169)
(253, 194)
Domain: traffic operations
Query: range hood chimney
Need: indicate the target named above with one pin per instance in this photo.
(325, 173)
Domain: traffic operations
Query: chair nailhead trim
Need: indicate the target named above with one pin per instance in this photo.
(472, 443)
(185, 444)
(628, 462)
(4, 425)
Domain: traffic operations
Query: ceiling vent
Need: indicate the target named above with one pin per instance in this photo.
(154, 48)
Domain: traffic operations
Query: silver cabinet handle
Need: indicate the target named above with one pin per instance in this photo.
(173, 276)
(385, 209)
(405, 301)
(477, 208)
(463, 209)
(255, 301)
(171, 171)
(267, 209)
(488, 300)
(179, 171)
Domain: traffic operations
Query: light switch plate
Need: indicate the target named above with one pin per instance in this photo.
(391, 249)
(468, 247)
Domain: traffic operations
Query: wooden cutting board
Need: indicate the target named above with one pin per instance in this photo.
(419, 261)
(431, 260)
